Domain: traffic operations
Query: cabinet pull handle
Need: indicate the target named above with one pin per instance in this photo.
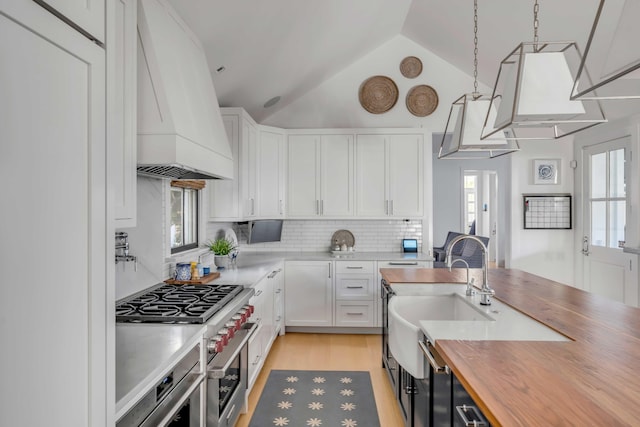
(258, 293)
(281, 207)
(437, 368)
(403, 263)
(471, 416)
(329, 270)
(355, 287)
(354, 314)
(253, 207)
(386, 207)
(255, 362)
(278, 291)
(317, 207)
(354, 268)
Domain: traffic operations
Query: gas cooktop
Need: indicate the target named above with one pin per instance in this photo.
(175, 303)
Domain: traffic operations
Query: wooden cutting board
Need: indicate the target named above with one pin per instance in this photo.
(201, 281)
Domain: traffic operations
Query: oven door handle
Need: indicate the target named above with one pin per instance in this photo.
(179, 395)
(218, 366)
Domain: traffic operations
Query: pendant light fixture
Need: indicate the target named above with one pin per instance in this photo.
(611, 56)
(466, 118)
(533, 91)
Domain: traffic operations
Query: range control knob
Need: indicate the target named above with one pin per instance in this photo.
(239, 321)
(231, 328)
(224, 334)
(216, 344)
(250, 308)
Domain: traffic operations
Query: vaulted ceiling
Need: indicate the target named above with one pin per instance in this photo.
(287, 47)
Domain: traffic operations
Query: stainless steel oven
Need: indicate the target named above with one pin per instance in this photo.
(175, 399)
(227, 380)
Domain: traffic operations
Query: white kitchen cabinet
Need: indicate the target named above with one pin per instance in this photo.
(320, 179)
(355, 292)
(87, 15)
(308, 295)
(389, 175)
(121, 110)
(262, 301)
(224, 194)
(277, 276)
(271, 169)
(52, 161)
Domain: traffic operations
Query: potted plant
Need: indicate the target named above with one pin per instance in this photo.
(222, 249)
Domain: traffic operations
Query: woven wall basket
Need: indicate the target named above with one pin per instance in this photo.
(422, 100)
(378, 94)
(411, 67)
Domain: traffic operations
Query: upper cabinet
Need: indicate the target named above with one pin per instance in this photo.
(257, 189)
(270, 166)
(390, 175)
(121, 109)
(86, 15)
(224, 194)
(320, 178)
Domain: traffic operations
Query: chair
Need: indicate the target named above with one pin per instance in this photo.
(440, 251)
(470, 251)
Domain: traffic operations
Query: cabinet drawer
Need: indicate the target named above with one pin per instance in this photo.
(357, 267)
(405, 264)
(355, 286)
(357, 313)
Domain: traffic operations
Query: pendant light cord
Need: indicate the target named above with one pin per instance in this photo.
(536, 22)
(476, 95)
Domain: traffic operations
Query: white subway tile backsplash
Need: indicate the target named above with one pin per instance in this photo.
(315, 235)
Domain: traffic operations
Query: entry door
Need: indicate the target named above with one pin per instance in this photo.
(608, 271)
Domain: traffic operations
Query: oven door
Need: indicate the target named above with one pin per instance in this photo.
(227, 380)
(181, 407)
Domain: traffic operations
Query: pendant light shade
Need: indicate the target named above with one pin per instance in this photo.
(611, 56)
(468, 115)
(461, 139)
(532, 93)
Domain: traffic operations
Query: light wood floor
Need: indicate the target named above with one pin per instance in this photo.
(331, 352)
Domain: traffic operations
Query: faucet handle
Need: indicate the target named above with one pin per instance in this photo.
(470, 290)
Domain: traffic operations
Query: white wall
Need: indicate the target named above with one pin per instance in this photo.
(447, 196)
(547, 253)
(335, 102)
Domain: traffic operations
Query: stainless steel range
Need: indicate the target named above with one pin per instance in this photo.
(176, 398)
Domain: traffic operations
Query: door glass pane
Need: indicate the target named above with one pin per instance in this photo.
(599, 223)
(618, 221)
(616, 173)
(599, 175)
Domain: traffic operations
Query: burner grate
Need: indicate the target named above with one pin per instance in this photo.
(176, 303)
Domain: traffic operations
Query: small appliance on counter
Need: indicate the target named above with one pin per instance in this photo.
(409, 245)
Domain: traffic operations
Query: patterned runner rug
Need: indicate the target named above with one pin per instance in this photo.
(316, 399)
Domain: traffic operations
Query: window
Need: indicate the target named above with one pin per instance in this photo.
(608, 198)
(184, 219)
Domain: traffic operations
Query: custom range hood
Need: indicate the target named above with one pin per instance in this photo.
(180, 130)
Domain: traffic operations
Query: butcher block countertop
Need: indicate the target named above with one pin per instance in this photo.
(593, 380)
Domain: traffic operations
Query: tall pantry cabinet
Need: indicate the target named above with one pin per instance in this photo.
(53, 164)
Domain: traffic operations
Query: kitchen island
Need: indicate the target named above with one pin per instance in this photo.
(590, 380)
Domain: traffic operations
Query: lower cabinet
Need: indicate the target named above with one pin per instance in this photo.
(308, 295)
(355, 293)
(439, 400)
(263, 316)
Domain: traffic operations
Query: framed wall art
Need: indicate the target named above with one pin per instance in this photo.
(546, 171)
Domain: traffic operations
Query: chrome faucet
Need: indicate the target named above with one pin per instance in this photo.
(470, 291)
(486, 292)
